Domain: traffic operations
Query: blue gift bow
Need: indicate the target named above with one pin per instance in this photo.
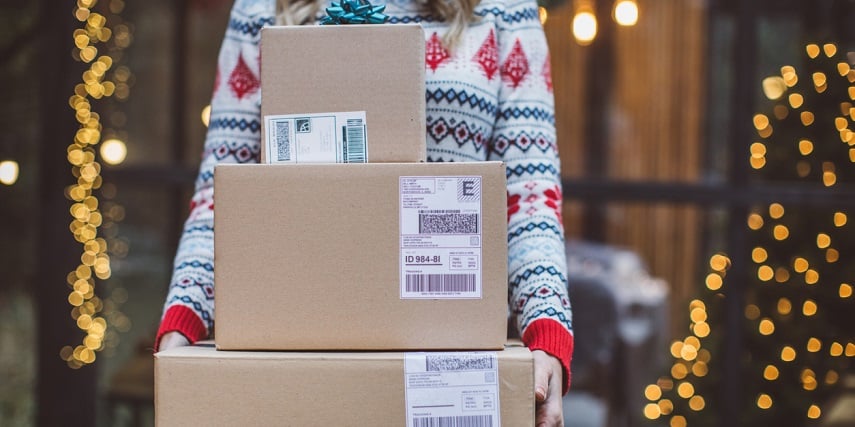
(354, 12)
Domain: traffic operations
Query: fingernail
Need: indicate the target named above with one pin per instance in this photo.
(540, 393)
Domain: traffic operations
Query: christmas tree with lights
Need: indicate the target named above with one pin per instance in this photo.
(799, 305)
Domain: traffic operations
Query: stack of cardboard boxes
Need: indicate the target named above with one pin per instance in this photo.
(357, 285)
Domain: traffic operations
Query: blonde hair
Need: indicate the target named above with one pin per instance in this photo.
(456, 12)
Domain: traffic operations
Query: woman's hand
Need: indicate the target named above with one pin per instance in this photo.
(548, 380)
(171, 340)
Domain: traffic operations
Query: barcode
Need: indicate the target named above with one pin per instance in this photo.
(464, 421)
(441, 282)
(453, 223)
(354, 138)
(458, 362)
(283, 140)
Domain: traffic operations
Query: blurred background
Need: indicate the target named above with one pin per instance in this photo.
(707, 153)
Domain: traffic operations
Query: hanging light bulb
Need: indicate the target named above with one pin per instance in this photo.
(584, 26)
(626, 12)
(8, 172)
(206, 112)
(114, 151)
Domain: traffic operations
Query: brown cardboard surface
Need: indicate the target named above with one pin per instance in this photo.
(200, 385)
(308, 258)
(378, 69)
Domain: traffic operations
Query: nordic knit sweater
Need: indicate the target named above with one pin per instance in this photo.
(490, 98)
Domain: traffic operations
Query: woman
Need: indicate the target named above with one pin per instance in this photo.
(489, 97)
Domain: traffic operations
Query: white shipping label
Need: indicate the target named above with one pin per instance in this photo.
(316, 138)
(452, 389)
(441, 237)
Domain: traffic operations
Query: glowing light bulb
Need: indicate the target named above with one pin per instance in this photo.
(809, 308)
(788, 354)
(652, 411)
(755, 221)
(714, 282)
(761, 121)
(767, 327)
(626, 13)
(764, 401)
(697, 403)
(774, 87)
(814, 412)
(770, 373)
(685, 390)
(765, 273)
(759, 255)
(814, 345)
(812, 50)
(780, 232)
(653, 392)
(8, 172)
(719, 262)
(784, 306)
(845, 290)
(584, 27)
(114, 151)
(206, 112)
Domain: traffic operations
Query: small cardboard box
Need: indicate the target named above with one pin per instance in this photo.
(374, 256)
(377, 70)
(198, 384)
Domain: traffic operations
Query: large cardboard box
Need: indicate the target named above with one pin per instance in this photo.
(375, 256)
(198, 384)
(376, 70)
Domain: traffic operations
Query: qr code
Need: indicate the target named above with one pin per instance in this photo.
(283, 140)
(459, 362)
(455, 223)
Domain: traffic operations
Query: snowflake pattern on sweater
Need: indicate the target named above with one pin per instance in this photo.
(490, 98)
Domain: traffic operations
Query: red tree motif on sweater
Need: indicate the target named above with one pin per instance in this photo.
(488, 56)
(435, 52)
(547, 73)
(515, 67)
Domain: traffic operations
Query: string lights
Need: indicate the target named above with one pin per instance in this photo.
(98, 82)
(691, 360)
(799, 302)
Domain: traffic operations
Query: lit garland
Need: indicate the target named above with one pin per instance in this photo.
(799, 354)
(88, 309)
(805, 270)
(691, 360)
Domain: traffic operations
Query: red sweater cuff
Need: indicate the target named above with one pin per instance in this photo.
(183, 320)
(551, 337)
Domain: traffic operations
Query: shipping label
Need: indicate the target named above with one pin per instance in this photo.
(458, 389)
(316, 138)
(440, 237)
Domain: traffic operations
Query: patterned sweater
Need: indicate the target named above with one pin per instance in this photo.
(490, 98)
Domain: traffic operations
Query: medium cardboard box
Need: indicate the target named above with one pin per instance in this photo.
(373, 256)
(377, 70)
(198, 384)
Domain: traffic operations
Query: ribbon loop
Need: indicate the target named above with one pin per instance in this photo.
(354, 12)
